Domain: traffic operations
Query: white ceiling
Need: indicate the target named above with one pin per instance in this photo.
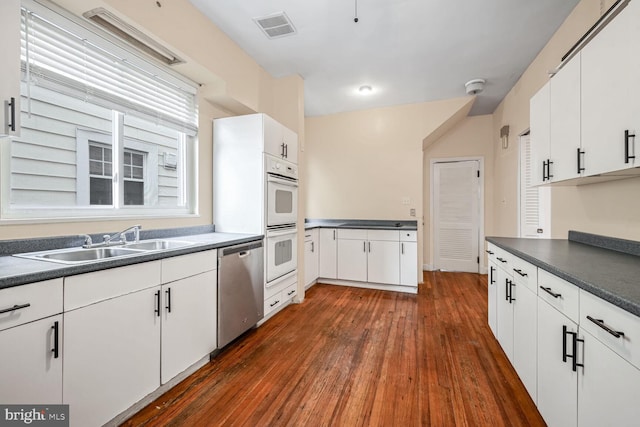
(407, 50)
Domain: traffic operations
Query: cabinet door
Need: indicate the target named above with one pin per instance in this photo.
(608, 387)
(290, 139)
(111, 356)
(310, 262)
(408, 263)
(608, 109)
(505, 313)
(30, 371)
(564, 135)
(188, 322)
(557, 382)
(273, 142)
(492, 297)
(525, 337)
(383, 264)
(352, 260)
(540, 126)
(10, 52)
(328, 257)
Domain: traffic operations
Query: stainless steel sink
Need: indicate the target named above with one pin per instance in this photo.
(77, 256)
(158, 245)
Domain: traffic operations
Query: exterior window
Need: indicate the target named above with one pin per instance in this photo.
(104, 132)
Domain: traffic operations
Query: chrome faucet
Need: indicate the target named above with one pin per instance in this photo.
(121, 237)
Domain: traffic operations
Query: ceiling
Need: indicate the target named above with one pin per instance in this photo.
(407, 50)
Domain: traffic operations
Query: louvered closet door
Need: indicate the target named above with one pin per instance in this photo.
(456, 216)
(534, 201)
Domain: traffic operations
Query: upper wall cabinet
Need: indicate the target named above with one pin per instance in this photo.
(539, 127)
(10, 81)
(279, 140)
(611, 95)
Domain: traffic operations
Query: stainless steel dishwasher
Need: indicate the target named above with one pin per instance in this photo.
(240, 290)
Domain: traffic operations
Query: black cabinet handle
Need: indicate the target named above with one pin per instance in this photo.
(550, 292)
(501, 260)
(402, 248)
(491, 270)
(506, 289)
(291, 293)
(286, 150)
(627, 137)
(12, 115)
(274, 303)
(549, 163)
(580, 168)
(574, 348)
(369, 246)
(517, 270)
(600, 323)
(511, 285)
(544, 170)
(489, 252)
(14, 308)
(168, 293)
(56, 339)
(312, 247)
(364, 246)
(157, 309)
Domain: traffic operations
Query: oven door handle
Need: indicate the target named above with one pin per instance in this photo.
(282, 181)
(283, 232)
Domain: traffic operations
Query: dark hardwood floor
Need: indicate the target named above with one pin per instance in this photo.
(358, 357)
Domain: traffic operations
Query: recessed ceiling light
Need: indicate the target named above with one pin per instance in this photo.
(365, 90)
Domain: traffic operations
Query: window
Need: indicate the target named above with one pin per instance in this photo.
(105, 132)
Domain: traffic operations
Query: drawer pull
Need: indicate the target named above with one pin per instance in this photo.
(574, 347)
(157, 308)
(600, 322)
(14, 308)
(489, 252)
(517, 270)
(291, 293)
(274, 303)
(550, 292)
(501, 260)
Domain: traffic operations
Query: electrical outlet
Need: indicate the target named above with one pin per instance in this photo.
(412, 212)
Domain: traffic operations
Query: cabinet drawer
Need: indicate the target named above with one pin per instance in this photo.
(561, 294)
(388, 235)
(290, 292)
(44, 299)
(273, 303)
(352, 234)
(504, 260)
(492, 252)
(89, 288)
(408, 236)
(617, 320)
(525, 273)
(182, 266)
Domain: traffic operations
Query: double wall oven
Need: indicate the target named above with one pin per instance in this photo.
(281, 213)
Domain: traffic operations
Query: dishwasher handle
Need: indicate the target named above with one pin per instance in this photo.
(242, 249)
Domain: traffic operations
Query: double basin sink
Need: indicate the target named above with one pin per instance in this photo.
(81, 255)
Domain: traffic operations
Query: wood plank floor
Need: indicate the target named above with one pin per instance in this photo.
(358, 357)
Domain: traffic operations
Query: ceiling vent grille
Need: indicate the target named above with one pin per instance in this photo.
(132, 35)
(275, 25)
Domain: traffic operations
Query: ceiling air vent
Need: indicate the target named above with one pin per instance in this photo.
(132, 35)
(275, 25)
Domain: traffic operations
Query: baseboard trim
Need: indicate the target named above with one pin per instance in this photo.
(369, 285)
(427, 267)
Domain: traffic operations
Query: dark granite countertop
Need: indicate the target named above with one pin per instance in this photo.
(361, 223)
(16, 271)
(612, 275)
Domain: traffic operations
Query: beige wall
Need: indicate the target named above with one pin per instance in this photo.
(608, 208)
(232, 83)
(360, 164)
(472, 137)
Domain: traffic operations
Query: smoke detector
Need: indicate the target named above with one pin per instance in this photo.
(475, 86)
(275, 25)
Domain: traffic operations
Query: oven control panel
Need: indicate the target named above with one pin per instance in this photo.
(281, 167)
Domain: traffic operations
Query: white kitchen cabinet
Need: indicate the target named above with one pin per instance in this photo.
(111, 355)
(564, 130)
(408, 263)
(352, 259)
(525, 337)
(608, 110)
(328, 255)
(10, 82)
(557, 381)
(188, 322)
(540, 122)
(383, 262)
(311, 257)
(504, 312)
(492, 297)
(279, 140)
(608, 387)
(31, 368)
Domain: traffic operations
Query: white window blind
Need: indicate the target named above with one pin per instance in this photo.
(63, 53)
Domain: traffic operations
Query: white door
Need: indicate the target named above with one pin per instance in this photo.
(352, 260)
(383, 264)
(525, 327)
(456, 215)
(504, 312)
(188, 322)
(540, 122)
(408, 269)
(492, 295)
(535, 202)
(328, 258)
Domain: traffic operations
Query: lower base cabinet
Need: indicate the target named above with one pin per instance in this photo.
(492, 298)
(31, 368)
(111, 356)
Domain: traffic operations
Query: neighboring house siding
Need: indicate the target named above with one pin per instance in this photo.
(44, 158)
